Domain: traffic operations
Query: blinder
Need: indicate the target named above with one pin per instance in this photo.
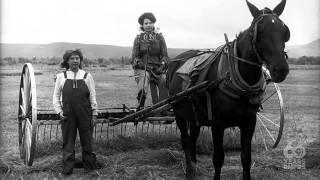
(287, 33)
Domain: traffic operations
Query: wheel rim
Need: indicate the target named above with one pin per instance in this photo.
(270, 117)
(27, 114)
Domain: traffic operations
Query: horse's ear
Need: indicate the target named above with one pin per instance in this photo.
(253, 9)
(279, 8)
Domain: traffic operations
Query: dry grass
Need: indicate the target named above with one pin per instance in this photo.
(159, 157)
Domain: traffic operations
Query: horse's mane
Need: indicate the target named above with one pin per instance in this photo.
(242, 33)
(267, 11)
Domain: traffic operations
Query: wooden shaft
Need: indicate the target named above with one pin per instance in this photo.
(171, 99)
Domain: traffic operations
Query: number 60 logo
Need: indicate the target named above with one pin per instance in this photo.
(294, 150)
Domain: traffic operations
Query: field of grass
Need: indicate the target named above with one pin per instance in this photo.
(153, 156)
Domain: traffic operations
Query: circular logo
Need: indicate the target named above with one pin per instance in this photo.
(294, 150)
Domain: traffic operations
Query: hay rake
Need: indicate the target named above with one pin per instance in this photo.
(42, 125)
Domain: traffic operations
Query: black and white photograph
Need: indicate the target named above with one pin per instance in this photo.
(160, 90)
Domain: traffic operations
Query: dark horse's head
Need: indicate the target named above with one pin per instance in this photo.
(269, 35)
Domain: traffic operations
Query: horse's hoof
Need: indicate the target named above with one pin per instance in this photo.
(191, 177)
(191, 173)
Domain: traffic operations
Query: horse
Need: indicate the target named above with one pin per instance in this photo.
(262, 44)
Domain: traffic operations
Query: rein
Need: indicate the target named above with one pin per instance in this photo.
(240, 59)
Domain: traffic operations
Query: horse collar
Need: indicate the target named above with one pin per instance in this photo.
(233, 84)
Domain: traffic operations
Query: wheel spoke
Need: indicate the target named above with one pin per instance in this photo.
(263, 138)
(267, 119)
(264, 100)
(24, 127)
(23, 111)
(27, 141)
(271, 136)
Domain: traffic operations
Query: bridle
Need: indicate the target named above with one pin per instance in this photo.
(253, 29)
(254, 32)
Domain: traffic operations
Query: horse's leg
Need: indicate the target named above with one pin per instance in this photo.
(194, 133)
(185, 141)
(247, 131)
(218, 152)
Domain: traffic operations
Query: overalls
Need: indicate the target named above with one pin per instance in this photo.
(78, 113)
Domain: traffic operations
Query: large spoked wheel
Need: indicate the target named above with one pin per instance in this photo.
(270, 117)
(27, 114)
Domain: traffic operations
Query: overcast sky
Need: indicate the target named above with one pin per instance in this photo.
(184, 23)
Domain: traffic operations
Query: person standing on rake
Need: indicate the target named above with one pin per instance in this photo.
(77, 110)
(149, 61)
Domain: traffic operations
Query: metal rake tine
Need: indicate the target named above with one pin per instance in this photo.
(95, 132)
(38, 132)
(136, 130)
(108, 131)
(125, 128)
(148, 128)
(50, 131)
(44, 132)
(101, 130)
(112, 131)
(203, 132)
(57, 132)
(121, 129)
(142, 128)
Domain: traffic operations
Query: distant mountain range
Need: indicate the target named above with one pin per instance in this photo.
(91, 51)
(310, 49)
(94, 51)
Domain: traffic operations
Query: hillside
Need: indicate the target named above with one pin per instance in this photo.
(94, 51)
(91, 51)
(310, 49)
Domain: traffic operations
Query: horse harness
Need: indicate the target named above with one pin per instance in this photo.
(229, 78)
(232, 82)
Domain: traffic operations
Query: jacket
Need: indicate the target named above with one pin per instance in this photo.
(149, 48)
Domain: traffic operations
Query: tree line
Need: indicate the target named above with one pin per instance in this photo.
(104, 62)
(305, 60)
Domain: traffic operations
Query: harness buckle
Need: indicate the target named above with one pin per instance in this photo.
(227, 78)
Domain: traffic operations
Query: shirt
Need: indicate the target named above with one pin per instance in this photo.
(57, 94)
